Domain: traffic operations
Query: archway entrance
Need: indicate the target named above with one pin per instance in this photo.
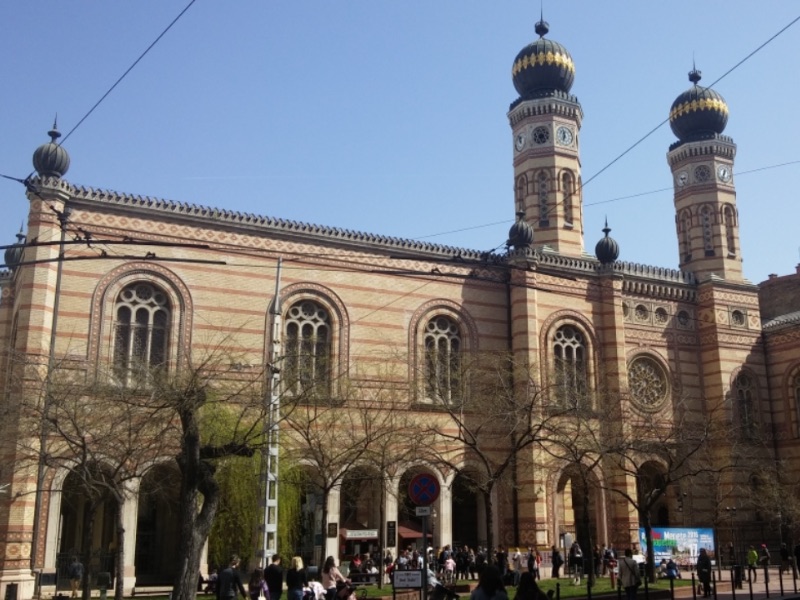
(157, 528)
(469, 514)
(360, 513)
(84, 534)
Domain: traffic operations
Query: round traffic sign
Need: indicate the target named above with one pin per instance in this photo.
(423, 489)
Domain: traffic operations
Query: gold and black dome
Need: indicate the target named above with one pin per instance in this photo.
(542, 67)
(698, 113)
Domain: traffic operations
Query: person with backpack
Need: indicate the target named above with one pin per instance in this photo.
(557, 561)
(629, 577)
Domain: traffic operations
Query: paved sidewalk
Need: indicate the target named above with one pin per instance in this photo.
(755, 591)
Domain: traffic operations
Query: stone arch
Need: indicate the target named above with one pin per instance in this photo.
(340, 325)
(549, 328)
(106, 292)
(577, 490)
(791, 385)
(416, 328)
(157, 525)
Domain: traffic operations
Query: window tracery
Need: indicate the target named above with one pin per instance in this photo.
(707, 221)
(142, 315)
(307, 349)
(647, 382)
(543, 193)
(442, 341)
(569, 352)
(730, 236)
(744, 395)
(567, 190)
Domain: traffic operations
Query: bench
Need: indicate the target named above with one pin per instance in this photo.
(358, 579)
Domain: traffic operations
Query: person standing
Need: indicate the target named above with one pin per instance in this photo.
(229, 581)
(576, 562)
(330, 577)
(629, 577)
(273, 575)
(752, 565)
(704, 571)
(557, 561)
(786, 558)
(516, 564)
(75, 573)
(296, 579)
(490, 585)
(257, 587)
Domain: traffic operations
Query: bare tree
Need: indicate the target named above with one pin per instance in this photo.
(482, 431)
(361, 427)
(658, 451)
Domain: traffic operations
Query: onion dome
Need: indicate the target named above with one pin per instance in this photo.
(698, 113)
(13, 255)
(607, 249)
(542, 67)
(521, 233)
(50, 159)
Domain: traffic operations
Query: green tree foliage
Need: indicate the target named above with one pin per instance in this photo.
(237, 517)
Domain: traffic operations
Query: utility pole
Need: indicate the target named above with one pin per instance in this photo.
(269, 462)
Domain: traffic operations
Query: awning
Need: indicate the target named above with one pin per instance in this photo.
(411, 531)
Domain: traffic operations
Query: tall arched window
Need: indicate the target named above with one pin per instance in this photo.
(141, 332)
(707, 221)
(744, 394)
(569, 353)
(796, 394)
(685, 237)
(307, 349)
(567, 190)
(544, 190)
(520, 192)
(442, 339)
(730, 229)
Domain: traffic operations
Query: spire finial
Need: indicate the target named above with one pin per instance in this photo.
(54, 133)
(694, 75)
(542, 27)
(606, 229)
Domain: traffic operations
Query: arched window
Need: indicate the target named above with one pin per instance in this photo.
(442, 339)
(141, 332)
(685, 237)
(730, 229)
(744, 395)
(307, 349)
(707, 221)
(544, 189)
(567, 190)
(521, 192)
(796, 394)
(569, 352)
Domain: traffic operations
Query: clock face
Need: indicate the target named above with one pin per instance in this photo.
(564, 136)
(519, 142)
(724, 173)
(682, 178)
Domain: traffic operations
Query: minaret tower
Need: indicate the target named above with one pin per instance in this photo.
(545, 121)
(705, 198)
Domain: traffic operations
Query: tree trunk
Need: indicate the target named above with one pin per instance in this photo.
(587, 527)
(119, 567)
(489, 512)
(324, 525)
(87, 533)
(198, 489)
(648, 536)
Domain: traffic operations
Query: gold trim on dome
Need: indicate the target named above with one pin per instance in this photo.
(550, 58)
(696, 105)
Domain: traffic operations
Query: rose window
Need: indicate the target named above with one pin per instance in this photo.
(647, 382)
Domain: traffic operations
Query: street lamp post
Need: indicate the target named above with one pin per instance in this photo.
(731, 510)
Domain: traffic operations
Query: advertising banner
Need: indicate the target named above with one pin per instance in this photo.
(682, 544)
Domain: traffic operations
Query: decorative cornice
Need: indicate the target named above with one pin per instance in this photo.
(781, 322)
(557, 103)
(219, 216)
(714, 145)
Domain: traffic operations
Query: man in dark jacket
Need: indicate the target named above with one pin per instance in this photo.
(229, 581)
(273, 575)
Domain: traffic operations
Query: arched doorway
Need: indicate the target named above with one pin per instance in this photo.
(88, 517)
(360, 513)
(410, 526)
(577, 508)
(157, 530)
(469, 514)
(651, 481)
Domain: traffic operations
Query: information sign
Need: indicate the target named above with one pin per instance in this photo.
(407, 579)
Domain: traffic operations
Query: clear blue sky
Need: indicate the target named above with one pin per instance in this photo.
(390, 117)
